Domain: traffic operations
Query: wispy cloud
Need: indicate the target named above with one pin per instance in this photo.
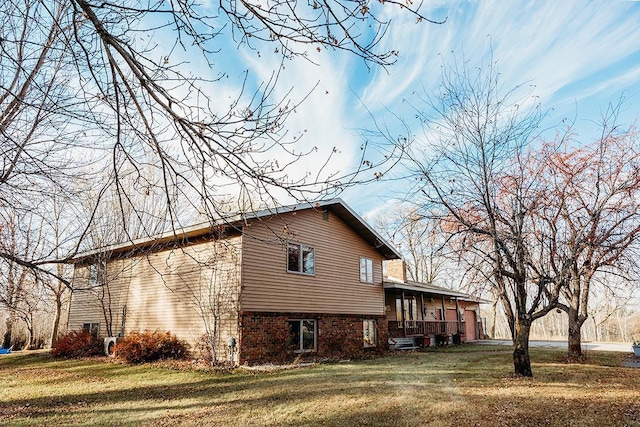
(551, 44)
(575, 52)
(323, 121)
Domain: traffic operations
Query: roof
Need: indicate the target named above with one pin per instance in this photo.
(348, 215)
(337, 206)
(426, 288)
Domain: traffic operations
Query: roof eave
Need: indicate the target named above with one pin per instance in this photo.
(336, 205)
(452, 294)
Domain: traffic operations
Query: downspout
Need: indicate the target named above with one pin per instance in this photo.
(124, 317)
(66, 329)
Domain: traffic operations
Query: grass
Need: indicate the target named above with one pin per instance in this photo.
(463, 386)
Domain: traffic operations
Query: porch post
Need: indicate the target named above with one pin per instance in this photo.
(404, 323)
(457, 315)
(443, 326)
(423, 327)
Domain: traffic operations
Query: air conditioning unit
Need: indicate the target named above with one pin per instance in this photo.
(109, 344)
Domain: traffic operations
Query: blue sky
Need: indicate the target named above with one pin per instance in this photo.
(579, 55)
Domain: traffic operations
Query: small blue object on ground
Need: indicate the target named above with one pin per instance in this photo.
(5, 350)
(631, 362)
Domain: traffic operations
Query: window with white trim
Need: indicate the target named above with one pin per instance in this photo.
(366, 270)
(97, 272)
(301, 259)
(370, 333)
(303, 335)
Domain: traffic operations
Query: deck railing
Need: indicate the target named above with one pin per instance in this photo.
(426, 327)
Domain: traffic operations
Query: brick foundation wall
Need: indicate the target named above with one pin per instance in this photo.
(264, 337)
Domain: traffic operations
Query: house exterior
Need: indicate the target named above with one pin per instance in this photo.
(427, 313)
(305, 281)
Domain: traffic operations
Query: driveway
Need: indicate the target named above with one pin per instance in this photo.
(588, 346)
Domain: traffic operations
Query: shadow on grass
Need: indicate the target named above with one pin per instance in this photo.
(440, 388)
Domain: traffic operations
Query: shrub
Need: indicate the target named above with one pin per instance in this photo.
(140, 347)
(203, 349)
(457, 339)
(76, 344)
(442, 340)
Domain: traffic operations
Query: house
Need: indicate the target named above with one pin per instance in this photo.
(425, 313)
(300, 281)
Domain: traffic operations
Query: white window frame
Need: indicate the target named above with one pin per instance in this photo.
(366, 270)
(97, 273)
(370, 333)
(300, 346)
(302, 248)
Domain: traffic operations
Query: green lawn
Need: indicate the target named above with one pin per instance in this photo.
(460, 386)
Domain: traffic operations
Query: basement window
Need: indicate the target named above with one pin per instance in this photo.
(370, 333)
(303, 335)
(92, 328)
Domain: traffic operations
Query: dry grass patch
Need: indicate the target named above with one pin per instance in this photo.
(452, 387)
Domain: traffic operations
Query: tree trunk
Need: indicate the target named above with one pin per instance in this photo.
(55, 331)
(574, 347)
(494, 315)
(28, 344)
(521, 359)
(8, 334)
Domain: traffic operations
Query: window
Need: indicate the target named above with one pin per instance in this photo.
(97, 273)
(370, 333)
(303, 334)
(92, 328)
(410, 309)
(398, 309)
(301, 259)
(366, 270)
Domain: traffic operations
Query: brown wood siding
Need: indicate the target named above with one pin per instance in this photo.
(166, 290)
(335, 287)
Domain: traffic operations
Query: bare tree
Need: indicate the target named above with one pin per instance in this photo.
(591, 216)
(471, 172)
(611, 298)
(215, 295)
(418, 238)
(60, 232)
(87, 83)
(20, 293)
(40, 127)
